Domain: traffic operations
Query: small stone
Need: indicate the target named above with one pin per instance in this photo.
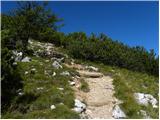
(20, 93)
(46, 60)
(61, 89)
(26, 72)
(61, 103)
(53, 107)
(33, 70)
(40, 88)
(54, 74)
(72, 83)
(26, 59)
(56, 65)
(14, 63)
(65, 73)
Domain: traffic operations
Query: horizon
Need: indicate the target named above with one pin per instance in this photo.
(132, 23)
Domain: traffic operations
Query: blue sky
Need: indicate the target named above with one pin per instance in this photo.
(131, 22)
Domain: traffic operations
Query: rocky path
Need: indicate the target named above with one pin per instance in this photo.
(100, 100)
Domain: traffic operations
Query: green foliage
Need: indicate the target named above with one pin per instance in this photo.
(84, 86)
(109, 52)
(10, 79)
(30, 20)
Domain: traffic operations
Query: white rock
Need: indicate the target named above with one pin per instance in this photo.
(78, 110)
(61, 103)
(40, 88)
(79, 104)
(72, 83)
(18, 55)
(54, 74)
(26, 72)
(145, 99)
(26, 59)
(53, 107)
(152, 100)
(65, 73)
(20, 93)
(92, 68)
(33, 70)
(61, 88)
(118, 113)
(14, 63)
(56, 65)
(140, 98)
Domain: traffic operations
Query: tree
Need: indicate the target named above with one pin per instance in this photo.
(29, 20)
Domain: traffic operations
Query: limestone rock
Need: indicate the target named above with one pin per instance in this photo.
(65, 73)
(92, 68)
(145, 99)
(79, 106)
(72, 83)
(17, 55)
(118, 113)
(26, 59)
(53, 107)
(56, 65)
(54, 74)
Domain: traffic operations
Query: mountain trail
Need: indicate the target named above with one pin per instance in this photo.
(100, 100)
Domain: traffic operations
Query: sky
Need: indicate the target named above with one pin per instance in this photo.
(131, 22)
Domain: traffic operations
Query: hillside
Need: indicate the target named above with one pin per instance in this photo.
(57, 86)
(46, 73)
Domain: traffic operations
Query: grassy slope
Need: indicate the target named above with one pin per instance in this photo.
(36, 103)
(128, 82)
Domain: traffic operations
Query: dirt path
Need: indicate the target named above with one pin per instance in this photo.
(100, 100)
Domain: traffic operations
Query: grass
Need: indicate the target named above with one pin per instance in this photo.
(84, 86)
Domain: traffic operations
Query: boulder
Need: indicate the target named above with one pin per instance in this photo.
(145, 99)
(26, 59)
(56, 65)
(118, 113)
